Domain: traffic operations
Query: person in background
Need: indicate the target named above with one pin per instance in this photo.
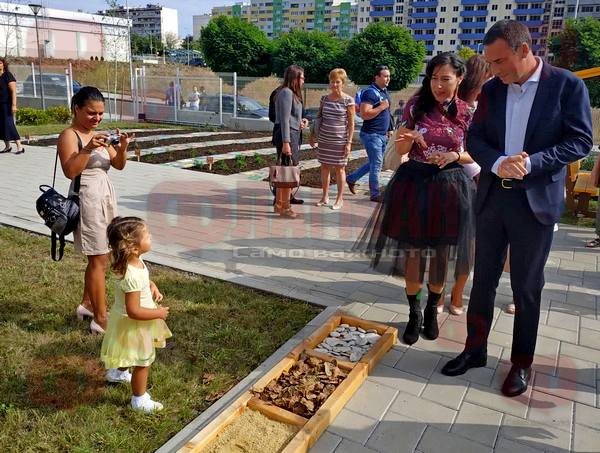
(194, 99)
(288, 132)
(86, 156)
(335, 136)
(8, 108)
(377, 127)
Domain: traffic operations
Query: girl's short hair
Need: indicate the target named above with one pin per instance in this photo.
(338, 73)
(5, 63)
(124, 234)
(86, 94)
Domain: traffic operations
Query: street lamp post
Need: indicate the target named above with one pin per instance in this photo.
(36, 9)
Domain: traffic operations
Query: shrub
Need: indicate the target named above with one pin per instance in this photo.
(59, 114)
(28, 116)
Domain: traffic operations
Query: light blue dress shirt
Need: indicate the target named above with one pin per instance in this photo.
(519, 100)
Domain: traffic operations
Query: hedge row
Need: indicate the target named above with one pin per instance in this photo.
(28, 116)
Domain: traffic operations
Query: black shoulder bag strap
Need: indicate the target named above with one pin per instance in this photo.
(76, 187)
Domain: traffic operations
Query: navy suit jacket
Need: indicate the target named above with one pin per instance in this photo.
(559, 131)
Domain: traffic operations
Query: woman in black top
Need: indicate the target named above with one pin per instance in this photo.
(8, 106)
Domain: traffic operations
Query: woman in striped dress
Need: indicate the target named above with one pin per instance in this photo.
(335, 136)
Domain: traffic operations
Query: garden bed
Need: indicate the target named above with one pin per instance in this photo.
(256, 162)
(107, 127)
(305, 390)
(312, 177)
(226, 135)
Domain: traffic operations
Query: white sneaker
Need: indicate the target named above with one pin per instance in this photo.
(145, 403)
(116, 375)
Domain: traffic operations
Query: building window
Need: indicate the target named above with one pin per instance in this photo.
(494, 7)
(440, 42)
(493, 18)
(469, 8)
(455, 9)
(587, 9)
(443, 9)
(453, 42)
(454, 20)
(441, 31)
(453, 31)
(509, 6)
(442, 20)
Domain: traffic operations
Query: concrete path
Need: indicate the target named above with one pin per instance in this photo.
(223, 227)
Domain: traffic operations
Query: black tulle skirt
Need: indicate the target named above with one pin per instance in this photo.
(428, 213)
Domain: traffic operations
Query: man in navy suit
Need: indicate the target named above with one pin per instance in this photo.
(531, 121)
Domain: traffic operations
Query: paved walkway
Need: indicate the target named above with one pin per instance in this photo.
(224, 227)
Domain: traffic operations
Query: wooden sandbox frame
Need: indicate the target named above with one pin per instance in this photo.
(312, 428)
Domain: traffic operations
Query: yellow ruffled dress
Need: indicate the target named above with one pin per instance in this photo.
(129, 342)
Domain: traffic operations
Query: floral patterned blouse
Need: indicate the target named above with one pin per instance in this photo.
(442, 134)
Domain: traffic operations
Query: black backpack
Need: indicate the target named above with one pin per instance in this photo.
(60, 213)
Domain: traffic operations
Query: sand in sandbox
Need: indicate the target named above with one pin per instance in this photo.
(252, 432)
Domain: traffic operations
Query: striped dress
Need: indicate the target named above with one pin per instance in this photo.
(333, 131)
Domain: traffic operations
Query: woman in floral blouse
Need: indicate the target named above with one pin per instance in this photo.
(427, 219)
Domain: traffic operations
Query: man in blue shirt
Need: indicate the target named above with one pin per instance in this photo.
(377, 127)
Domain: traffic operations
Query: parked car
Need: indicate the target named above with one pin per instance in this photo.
(311, 113)
(54, 85)
(246, 107)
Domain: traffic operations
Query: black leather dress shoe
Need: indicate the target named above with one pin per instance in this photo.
(463, 362)
(351, 187)
(517, 381)
(294, 200)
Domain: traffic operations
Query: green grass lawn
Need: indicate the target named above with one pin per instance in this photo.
(589, 222)
(52, 393)
(57, 128)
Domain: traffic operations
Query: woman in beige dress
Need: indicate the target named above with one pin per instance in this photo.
(85, 157)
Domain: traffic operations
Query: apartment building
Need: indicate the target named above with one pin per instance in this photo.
(150, 20)
(280, 16)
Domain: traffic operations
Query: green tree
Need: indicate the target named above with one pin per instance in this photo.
(230, 44)
(388, 44)
(465, 53)
(578, 47)
(316, 51)
(141, 45)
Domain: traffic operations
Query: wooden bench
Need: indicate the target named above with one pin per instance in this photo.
(579, 186)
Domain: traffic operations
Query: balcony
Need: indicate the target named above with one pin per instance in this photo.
(526, 11)
(430, 47)
(474, 2)
(385, 13)
(478, 24)
(462, 36)
(424, 4)
(421, 26)
(431, 15)
(423, 37)
(532, 23)
(382, 3)
(473, 14)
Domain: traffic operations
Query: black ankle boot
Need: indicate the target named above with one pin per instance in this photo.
(415, 319)
(430, 324)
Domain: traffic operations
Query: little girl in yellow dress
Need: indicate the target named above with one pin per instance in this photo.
(136, 325)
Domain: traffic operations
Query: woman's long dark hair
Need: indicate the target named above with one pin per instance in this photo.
(5, 63)
(426, 101)
(291, 80)
(85, 94)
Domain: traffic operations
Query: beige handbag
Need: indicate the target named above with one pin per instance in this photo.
(392, 158)
(284, 176)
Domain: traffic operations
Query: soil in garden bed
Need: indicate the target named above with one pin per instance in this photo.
(312, 176)
(229, 135)
(242, 164)
(161, 158)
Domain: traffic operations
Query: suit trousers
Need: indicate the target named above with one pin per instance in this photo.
(506, 219)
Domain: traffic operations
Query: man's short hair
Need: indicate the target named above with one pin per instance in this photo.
(511, 31)
(380, 68)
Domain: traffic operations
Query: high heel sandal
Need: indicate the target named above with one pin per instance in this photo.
(453, 308)
(337, 206)
(83, 312)
(95, 328)
(6, 150)
(20, 151)
(323, 202)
